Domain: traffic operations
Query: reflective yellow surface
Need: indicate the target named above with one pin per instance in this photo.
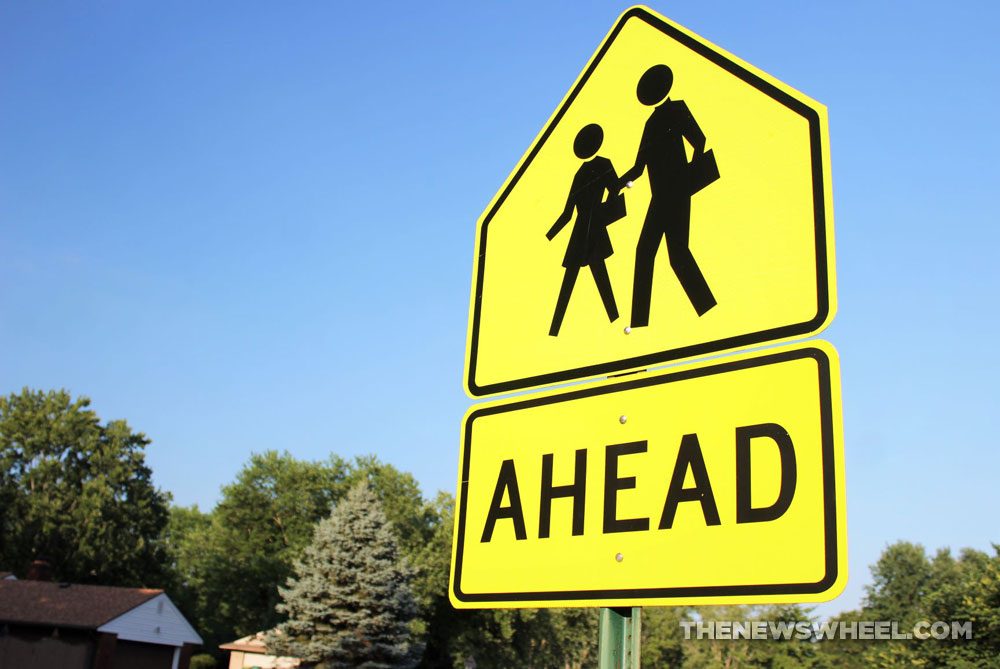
(799, 556)
(762, 234)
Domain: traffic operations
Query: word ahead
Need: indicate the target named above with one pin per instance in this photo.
(718, 484)
(690, 460)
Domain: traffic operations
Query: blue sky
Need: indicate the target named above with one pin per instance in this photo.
(249, 226)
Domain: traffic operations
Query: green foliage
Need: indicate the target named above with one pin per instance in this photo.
(900, 581)
(974, 594)
(743, 653)
(78, 493)
(413, 520)
(844, 654)
(184, 540)
(909, 587)
(439, 623)
(230, 562)
(350, 603)
(530, 638)
(203, 661)
(662, 637)
(501, 638)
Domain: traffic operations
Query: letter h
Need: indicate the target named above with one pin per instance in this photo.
(576, 490)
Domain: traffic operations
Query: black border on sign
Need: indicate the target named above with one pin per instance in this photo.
(808, 327)
(622, 595)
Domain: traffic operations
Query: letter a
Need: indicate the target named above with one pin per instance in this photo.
(689, 457)
(507, 480)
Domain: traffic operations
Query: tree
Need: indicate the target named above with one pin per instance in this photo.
(908, 588)
(413, 520)
(441, 622)
(350, 603)
(662, 636)
(900, 581)
(184, 541)
(497, 638)
(77, 493)
(230, 562)
(779, 653)
(970, 593)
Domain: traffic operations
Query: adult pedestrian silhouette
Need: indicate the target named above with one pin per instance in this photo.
(661, 152)
(589, 243)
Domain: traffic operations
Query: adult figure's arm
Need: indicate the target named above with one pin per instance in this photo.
(641, 158)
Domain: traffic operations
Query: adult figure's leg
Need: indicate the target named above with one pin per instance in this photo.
(569, 278)
(682, 260)
(600, 272)
(645, 257)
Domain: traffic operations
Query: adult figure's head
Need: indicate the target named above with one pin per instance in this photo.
(654, 85)
(588, 141)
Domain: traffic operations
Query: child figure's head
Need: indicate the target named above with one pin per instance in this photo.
(588, 141)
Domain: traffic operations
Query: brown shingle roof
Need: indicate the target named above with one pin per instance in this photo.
(82, 606)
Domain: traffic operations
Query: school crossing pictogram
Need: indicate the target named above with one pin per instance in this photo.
(676, 204)
(673, 179)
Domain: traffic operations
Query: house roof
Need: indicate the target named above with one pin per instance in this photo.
(248, 644)
(254, 643)
(62, 605)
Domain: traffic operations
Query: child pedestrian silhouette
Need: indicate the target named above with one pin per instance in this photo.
(589, 243)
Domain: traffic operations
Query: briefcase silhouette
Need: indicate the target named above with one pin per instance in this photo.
(612, 209)
(702, 170)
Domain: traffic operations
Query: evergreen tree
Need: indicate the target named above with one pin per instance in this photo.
(350, 603)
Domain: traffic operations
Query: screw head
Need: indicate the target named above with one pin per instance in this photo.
(622, 419)
(619, 557)
(628, 184)
(628, 330)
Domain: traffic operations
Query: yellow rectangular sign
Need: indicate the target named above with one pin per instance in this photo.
(711, 484)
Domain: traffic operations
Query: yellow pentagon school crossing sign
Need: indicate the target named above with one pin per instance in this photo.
(709, 484)
(677, 203)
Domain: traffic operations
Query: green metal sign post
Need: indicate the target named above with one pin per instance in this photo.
(618, 646)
